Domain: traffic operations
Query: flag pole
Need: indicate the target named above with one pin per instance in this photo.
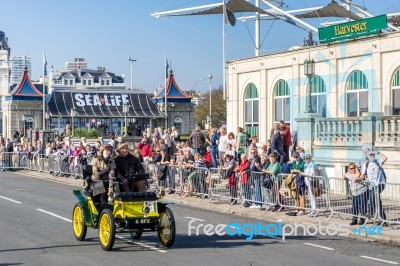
(165, 93)
(43, 91)
(224, 18)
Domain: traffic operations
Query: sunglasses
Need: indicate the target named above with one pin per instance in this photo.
(352, 168)
(295, 157)
(372, 155)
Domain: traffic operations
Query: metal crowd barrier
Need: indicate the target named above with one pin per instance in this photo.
(321, 195)
(313, 194)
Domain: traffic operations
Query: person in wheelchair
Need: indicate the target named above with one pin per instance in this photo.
(102, 168)
(127, 166)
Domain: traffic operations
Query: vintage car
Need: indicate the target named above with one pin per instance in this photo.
(125, 212)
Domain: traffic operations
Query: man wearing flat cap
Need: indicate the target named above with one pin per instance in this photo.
(127, 164)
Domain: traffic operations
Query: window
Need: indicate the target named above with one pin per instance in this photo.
(318, 95)
(65, 82)
(282, 101)
(107, 82)
(102, 82)
(84, 82)
(178, 124)
(357, 94)
(251, 110)
(396, 92)
(89, 83)
(71, 82)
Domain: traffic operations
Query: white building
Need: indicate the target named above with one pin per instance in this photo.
(355, 90)
(17, 65)
(79, 63)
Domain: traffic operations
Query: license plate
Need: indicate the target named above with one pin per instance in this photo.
(143, 221)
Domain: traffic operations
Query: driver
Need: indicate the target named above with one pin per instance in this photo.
(102, 166)
(127, 164)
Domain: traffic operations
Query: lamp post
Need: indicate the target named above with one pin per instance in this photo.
(131, 60)
(309, 71)
(125, 110)
(72, 119)
(210, 77)
(194, 85)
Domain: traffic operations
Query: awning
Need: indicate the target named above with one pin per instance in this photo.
(333, 9)
(101, 104)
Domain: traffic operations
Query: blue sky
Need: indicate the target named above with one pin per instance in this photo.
(107, 32)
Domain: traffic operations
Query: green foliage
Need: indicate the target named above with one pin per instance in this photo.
(92, 133)
(218, 108)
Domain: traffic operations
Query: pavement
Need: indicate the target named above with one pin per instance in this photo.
(391, 234)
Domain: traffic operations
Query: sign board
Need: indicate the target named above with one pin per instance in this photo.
(353, 29)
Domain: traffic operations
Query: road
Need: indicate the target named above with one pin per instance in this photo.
(36, 229)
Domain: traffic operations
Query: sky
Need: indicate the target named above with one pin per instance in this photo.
(106, 33)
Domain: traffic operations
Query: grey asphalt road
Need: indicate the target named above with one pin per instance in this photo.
(35, 226)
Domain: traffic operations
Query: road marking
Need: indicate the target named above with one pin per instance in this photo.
(141, 244)
(10, 200)
(318, 246)
(387, 261)
(55, 215)
(195, 219)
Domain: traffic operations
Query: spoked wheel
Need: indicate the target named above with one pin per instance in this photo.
(78, 222)
(166, 228)
(106, 229)
(137, 234)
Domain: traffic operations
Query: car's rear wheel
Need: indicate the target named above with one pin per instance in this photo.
(78, 222)
(106, 229)
(166, 228)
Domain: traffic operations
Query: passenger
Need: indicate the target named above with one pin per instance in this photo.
(126, 166)
(102, 166)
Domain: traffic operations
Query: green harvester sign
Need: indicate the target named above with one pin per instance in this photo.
(353, 29)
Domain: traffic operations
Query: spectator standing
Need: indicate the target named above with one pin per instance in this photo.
(145, 148)
(244, 179)
(277, 144)
(197, 140)
(286, 137)
(311, 183)
(175, 134)
(359, 193)
(297, 167)
(222, 145)
(254, 164)
(241, 143)
(214, 146)
(274, 169)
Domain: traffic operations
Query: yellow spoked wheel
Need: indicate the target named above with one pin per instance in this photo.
(166, 228)
(78, 222)
(106, 229)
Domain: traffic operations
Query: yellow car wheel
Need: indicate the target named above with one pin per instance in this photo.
(78, 222)
(166, 228)
(106, 229)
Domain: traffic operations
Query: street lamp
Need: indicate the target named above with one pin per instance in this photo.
(131, 60)
(72, 119)
(309, 71)
(194, 85)
(125, 110)
(210, 77)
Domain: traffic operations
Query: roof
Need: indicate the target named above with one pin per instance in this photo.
(174, 93)
(101, 104)
(96, 74)
(25, 89)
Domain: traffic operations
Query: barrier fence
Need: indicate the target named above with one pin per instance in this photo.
(316, 195)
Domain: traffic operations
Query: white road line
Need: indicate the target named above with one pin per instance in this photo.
(387, 261)
(318, 246)
(141, 244)
(55, 215)
(10, 200)
(195, 219)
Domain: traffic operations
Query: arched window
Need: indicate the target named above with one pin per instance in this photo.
(251, 110)
(357, 94)
(178, 124)
(282, 101)
(318, 95)
(396, 92)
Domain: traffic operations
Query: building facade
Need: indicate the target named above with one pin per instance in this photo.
(354, 80)
(78, 63)
(17, 67)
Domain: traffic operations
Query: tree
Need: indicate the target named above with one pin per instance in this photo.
(218, 108)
